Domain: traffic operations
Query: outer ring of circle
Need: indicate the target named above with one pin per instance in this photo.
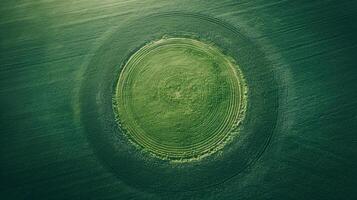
(147, 173)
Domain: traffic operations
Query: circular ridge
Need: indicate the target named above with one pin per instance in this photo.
(134, 166)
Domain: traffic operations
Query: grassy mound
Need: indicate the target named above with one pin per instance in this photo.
(179, 99)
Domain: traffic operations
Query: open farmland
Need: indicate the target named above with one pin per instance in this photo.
(178, 99)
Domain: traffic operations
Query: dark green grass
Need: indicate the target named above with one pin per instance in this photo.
(57, 74)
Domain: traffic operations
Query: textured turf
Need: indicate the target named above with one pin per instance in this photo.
(179, 98)
(60, 63)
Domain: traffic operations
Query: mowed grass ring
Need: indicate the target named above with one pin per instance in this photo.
(179, 99)
(184, 117)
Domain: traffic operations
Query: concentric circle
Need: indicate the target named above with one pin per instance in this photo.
(135, 165)
(179, 99)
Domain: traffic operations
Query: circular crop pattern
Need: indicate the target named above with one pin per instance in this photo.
(179, 98)
(175, 83)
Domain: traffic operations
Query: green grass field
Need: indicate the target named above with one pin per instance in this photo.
(180, 98)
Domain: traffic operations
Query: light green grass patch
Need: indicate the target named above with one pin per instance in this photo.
(180, 99)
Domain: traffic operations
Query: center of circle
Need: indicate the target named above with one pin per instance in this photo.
(180, 99)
